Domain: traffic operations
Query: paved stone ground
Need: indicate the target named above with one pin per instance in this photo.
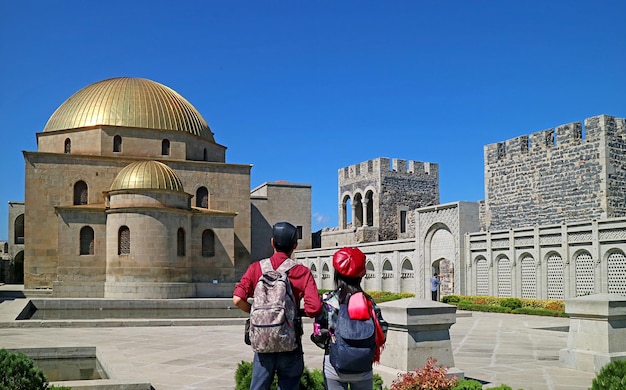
(518, 350)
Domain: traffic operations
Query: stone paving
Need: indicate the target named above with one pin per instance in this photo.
(518, 350)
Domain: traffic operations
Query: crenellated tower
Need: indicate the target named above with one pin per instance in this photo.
(567, 174)
(382, 192)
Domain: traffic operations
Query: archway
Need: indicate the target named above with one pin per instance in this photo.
(16, 271)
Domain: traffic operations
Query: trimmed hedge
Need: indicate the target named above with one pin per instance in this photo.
(552, 308)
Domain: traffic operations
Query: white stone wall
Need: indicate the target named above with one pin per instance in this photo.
(553, 261)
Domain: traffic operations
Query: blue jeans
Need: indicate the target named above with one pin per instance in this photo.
(288, 366)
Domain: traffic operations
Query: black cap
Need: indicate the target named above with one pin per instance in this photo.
(284, 234)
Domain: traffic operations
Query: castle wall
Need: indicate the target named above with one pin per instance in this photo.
(556, 175)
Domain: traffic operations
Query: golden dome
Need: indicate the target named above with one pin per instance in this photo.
(129, 102)
(151, 175)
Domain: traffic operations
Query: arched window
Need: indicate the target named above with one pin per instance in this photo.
(202, 198)
(123, 241)
(86, 241)
(180, 247)
(6, 247)
(117, 143)
(208, 243)
(68, 146)
(80, 192)
(18, 227)
(205, 155)
(165, 147)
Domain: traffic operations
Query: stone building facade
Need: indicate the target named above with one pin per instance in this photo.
(295, 201)
(129, 195)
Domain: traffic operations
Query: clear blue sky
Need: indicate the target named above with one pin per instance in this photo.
(300, 89)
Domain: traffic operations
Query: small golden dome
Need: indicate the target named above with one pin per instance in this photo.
(152, 175)
(129, 102)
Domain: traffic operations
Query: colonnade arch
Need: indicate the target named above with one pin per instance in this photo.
(357, 209)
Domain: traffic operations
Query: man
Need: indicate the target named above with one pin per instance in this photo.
(434, 285)
(287, 365)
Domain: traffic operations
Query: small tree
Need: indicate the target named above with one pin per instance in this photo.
(19, 372)
(611, 377)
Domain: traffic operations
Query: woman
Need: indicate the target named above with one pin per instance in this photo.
(349, 264)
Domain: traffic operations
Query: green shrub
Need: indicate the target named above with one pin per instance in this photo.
(501, 387)
(311, 380)
(539, 312)
(611, 377)
(468, 384)
(20, 373)
(511, 303)
(488, 308)
(451, 299)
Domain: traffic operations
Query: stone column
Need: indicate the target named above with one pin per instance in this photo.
(365, 201)
(597, 331)
(418, 329)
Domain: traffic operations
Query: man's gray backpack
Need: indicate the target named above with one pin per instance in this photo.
(273, 312)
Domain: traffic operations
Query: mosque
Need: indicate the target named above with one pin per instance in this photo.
(130, 196)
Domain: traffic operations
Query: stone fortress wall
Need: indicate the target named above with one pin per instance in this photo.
(552, 225)
(558, 175)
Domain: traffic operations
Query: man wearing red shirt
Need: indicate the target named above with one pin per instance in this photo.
(288, 365)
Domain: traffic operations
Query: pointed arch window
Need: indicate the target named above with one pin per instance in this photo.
(67, 147)
(80, 192)
(165, 147)
(117, 144)
(86, 241)
(202, 197)
(208, 243)
(123, 241)
(180, 244)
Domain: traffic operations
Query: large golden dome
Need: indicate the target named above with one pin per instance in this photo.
(152, 175)
(129, 102)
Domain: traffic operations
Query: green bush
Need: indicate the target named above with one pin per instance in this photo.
(468, 384)
(311, 380)
(488, 308)
(611, 377)
(451, 299)
(20, 373)
(539, 312)
(511, 303)
(501, 387)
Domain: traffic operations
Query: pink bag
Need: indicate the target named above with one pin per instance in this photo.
(358, 309)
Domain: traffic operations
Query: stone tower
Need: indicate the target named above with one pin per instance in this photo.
(381, 192)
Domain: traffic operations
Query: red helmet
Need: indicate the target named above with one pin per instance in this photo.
(350, 262)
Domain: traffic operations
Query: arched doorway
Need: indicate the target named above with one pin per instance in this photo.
(442, 257)
(16, 270)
